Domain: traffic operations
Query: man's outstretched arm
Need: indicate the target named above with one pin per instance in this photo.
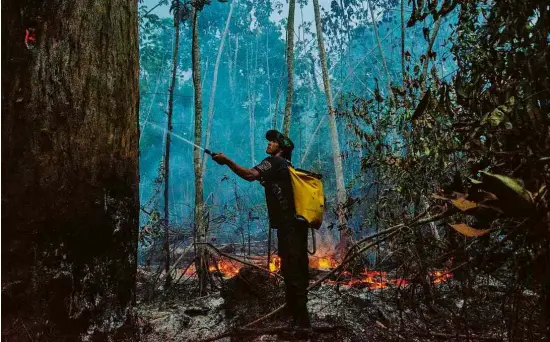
(243, 172)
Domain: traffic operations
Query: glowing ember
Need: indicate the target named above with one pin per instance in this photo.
(275, 263)
(373, 280)
(191, 270)
(440, 276)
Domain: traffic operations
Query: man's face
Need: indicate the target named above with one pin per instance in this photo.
(272, 148)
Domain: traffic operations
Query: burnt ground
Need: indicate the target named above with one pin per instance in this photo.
(338, 312)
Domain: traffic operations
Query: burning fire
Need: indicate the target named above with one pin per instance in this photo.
(275, 263)
(372, 279)
(368, 278)
(323, 263)
(190, 271)
(379, 279)
(226, 268)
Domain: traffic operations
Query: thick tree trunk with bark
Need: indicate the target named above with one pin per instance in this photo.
(338, 169)
(290, 67)
(200, 232)
(69, 169)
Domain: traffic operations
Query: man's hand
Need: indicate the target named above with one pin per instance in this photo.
(220, 158)
(243, 172)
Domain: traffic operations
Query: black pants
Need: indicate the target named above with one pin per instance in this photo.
(292, 244)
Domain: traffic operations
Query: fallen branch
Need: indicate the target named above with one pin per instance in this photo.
(414, 222)
(177, 261)
(350, 258)
(209, 245)
(185, 270)
(24, 327)
(274, 331)
(458, 336)
(263, 318)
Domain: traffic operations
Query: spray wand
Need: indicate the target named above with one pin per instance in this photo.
(207, 151)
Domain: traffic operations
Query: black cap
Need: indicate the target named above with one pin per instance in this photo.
(284, 142)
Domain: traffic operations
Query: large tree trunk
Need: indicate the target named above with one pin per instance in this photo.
(290, 67)
(166, 245)
(200, 231)
(215, 83)
(340, 187)
(70, 177)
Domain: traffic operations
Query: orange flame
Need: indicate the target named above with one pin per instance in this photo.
(322, 263)
(226, 268)
(325, 263)
(372, 279)
(379, 279)
(275, 263)
(189, 272)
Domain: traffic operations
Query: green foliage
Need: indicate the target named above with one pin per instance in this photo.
(479, 141)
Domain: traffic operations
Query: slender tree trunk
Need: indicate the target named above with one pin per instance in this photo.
(206, 64)
(249, 98)
(230, 67)
(312, 139)
(435, 30)
(253, 105)
(153, 8)
(168, 140)
(146, 121)
(375, 28)
(200, 233)
(314, 85)
(340, 187)
(234, 76)
(290, 67)
(214, 84)
(276, 111)
(70, 181)
(403, 41)
(235, 60)
(268, 73)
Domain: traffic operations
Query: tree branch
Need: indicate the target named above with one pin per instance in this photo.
(209, 245)
(272, 331)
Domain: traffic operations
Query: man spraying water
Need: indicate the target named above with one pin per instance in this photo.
(274, 175)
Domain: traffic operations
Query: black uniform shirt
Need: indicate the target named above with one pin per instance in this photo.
(275, 178)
